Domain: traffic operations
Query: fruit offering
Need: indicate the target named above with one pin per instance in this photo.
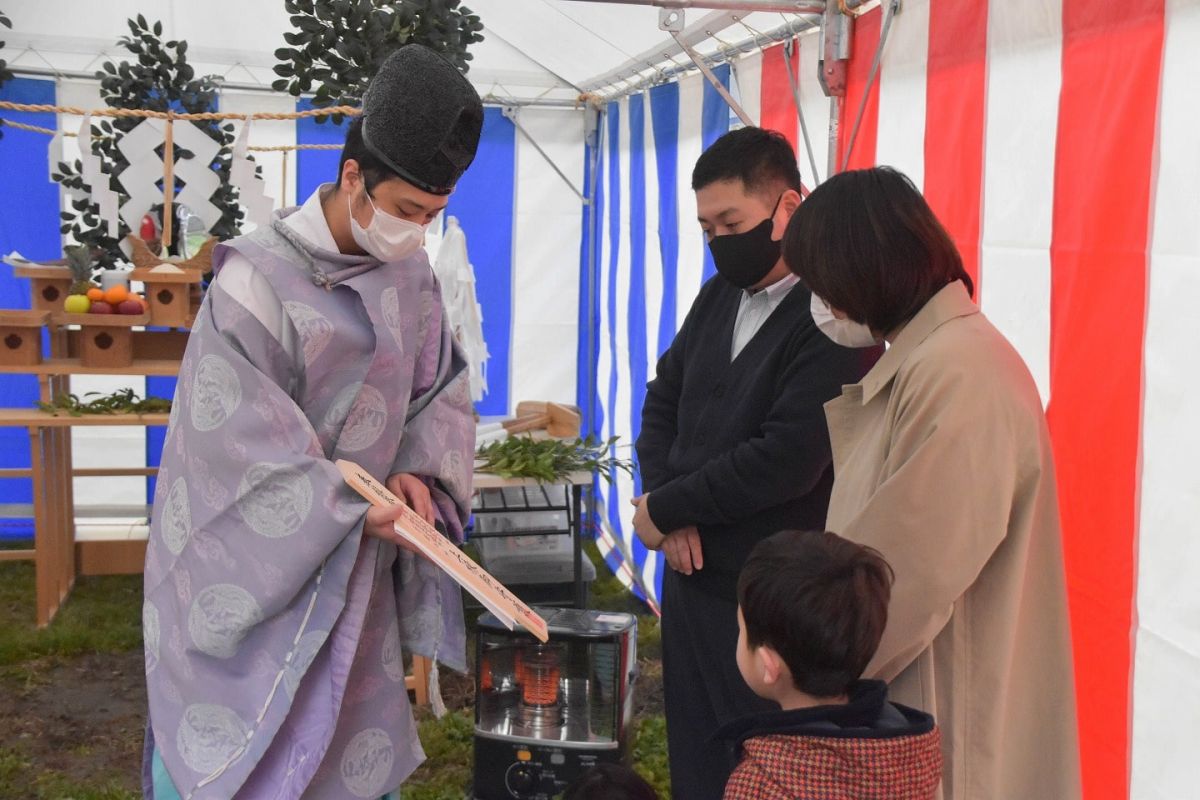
(77, 304)
(115, 295)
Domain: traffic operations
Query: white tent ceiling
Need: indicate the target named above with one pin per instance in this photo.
(533, 49)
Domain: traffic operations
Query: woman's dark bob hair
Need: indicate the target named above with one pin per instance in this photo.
(867, 243)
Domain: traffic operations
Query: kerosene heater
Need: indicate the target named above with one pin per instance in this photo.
(544, 713)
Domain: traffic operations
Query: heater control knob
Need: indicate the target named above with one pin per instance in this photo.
(522, 780)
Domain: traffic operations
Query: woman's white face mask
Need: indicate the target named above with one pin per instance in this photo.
(388, 238)
(845, 332)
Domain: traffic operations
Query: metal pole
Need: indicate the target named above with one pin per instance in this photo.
(787, 60)
(891, 11)
(776, 36)
(835, 57)
(782, 6)
(598, 115)
(511, 114)
(831, 161)
(698, 60)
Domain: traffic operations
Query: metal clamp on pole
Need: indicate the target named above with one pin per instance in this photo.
(671, 21)
(835, 58)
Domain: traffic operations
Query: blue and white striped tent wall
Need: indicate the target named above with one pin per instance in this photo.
(650, 261)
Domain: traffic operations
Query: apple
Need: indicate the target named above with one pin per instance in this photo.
(130, 306)
(101, 307)
(77, 304)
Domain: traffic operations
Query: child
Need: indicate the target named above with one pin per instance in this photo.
(610, 782)
(811, 610)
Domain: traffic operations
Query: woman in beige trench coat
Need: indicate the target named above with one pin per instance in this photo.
(942, 462)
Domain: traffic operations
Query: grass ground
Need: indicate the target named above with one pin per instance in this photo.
(72, 697)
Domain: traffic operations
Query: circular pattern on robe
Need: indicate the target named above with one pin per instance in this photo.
(274, 499)
(208, 736)
(393, 658)
(367, 763)
(314, 328)
(340, 407)
(365, 420)
(306, 650)
(150, 634)
(216, 393)
(220, 617)
(176, 523)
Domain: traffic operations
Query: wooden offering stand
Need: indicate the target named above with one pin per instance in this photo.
(79, 344)
(169, 293)
(172, 286)
(106, 340)
(21, 337)
(50, 283)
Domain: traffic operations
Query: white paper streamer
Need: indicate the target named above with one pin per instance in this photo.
(252, 190)
(200, 180)
(145, 170)
(105, 198)
(463, 312)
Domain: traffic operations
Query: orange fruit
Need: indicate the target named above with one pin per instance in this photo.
(95, 293)
(115, 295)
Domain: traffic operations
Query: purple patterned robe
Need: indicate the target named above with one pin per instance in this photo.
(274, 629)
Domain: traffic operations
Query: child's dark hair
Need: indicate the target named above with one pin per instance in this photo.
(610, 782)
(819, 601)
(762, 160)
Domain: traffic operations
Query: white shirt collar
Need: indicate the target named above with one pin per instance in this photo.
(777, 290)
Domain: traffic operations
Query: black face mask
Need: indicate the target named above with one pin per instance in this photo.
(745, 258)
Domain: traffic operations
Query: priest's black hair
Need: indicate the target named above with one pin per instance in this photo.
(373, 170)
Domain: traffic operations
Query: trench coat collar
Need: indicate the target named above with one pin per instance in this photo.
(951, 302)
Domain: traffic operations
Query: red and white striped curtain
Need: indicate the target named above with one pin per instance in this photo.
(1059, 142)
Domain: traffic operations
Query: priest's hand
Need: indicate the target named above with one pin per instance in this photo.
(682, 550)
(413, 491)
(645, 528)
(381, 523)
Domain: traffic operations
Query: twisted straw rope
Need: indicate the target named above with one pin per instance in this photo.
(279, 148)
(21, 126)
(140, 112)
(287, 148)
